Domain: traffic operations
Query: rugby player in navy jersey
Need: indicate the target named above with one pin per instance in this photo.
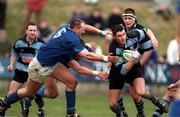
(50, 89)
(131, 23)
(23, 51)
(61, 44)
(130, 72)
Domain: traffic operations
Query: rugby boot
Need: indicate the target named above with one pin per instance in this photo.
(41, 113)
(3, 108)
(25, 108)
(73, 115)
(162, 104)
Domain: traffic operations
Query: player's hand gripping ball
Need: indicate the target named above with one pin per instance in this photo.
(127, 55)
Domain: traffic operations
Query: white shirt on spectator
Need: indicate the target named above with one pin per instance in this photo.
(173, 52)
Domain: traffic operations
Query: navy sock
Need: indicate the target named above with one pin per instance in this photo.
(11, 99)
(70, 101)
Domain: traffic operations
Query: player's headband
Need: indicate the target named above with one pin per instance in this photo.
(130, 15)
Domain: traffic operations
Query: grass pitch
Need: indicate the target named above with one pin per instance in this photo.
(87, 105)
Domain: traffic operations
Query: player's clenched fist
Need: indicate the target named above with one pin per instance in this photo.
(10, 68)
(113, 59)
(103, 75)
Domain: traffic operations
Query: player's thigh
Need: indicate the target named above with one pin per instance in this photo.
(30, 89)
(133, 93)
(64, 75)
(14, 86)
(114, 95)
(139, 85)
(50, 84)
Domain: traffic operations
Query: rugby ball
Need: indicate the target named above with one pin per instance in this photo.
(126, 55)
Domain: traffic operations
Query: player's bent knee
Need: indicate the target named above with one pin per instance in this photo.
(142, 93)
(136, 98)
(112, 104)
(73, 84)
(51, 94)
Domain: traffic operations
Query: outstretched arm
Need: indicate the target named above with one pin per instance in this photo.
(86, 71)
(97, 57)
(94, 30)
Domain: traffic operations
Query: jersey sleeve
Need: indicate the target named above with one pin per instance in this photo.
(112, 47)
(14, 50)
(144, 42)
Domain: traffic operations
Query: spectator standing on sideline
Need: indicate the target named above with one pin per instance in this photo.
(4, 44)
(114, 18)
(173, 51)
(44, 30)
(96, 19)
(164, 9)
(3, 6)
(34, 7)
(78, 13)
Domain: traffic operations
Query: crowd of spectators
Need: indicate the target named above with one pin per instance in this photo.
(95, 18)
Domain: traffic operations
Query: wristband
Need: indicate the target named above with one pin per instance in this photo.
(100, 32)
(105, 58)
(95, 73)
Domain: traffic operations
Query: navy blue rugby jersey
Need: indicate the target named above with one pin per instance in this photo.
(62, 43)
(22, 50)
(72, 56)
